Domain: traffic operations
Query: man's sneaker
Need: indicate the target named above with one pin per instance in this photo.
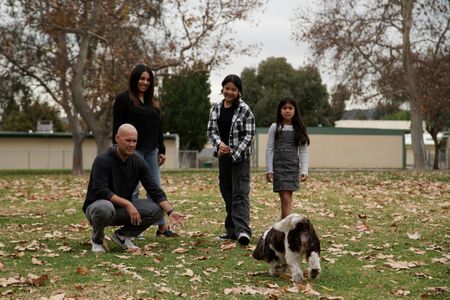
(167, 233)
(244, 239)
(225, 237)
(123, 241)
(97, 248)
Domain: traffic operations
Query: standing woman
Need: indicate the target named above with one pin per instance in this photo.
(136, 107)
(231, 129)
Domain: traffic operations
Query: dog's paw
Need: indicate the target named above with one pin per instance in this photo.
(314, 273)
(280, 269)
(297, 278)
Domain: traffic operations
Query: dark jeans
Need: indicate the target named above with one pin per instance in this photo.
(234, 182)
(102, 213)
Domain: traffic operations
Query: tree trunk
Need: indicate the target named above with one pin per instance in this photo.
(94, 124)
(103, 141)
(77, 162)
(418, 146)
(433, 131)
(436, 152)
(78, 138)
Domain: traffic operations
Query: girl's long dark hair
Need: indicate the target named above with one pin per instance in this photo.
(301, 137)
(133, 85)
(236, 80)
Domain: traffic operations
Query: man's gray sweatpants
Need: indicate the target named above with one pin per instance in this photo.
(102, 213)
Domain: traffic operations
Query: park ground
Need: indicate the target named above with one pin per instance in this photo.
(384, 235)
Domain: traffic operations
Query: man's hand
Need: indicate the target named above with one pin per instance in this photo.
(176, 219)
(161, 159)
(269, 177)
(135, 217)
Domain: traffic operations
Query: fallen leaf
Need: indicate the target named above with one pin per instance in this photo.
(400, 292)
(7, 292)
(36, 280)
(164, 289)
(442, 260)
(57, 297)
(64, 249)
(179, 250)
(310, 291)
(413, 236)
(400, 265)
(82, 270)
(227, 246)
(36, 261)
(294, 289)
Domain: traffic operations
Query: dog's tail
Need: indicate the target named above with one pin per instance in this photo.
(288, 223)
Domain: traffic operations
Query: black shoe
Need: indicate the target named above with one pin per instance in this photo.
(225, 237)
(244, 239)
(167, 233)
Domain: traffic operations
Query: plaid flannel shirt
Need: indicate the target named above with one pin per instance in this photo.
(241, 133)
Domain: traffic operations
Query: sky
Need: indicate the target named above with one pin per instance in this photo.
(273, 32)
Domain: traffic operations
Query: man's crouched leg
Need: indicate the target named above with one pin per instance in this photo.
(149, 211)
(100, 214)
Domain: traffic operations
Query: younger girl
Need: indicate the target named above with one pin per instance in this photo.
(286, 153)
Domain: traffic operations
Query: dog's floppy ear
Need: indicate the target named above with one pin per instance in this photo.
(258, 253)
(288, 223)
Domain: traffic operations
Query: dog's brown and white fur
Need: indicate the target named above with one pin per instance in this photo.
(286, 242)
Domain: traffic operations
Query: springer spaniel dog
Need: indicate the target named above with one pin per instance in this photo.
(285, 243)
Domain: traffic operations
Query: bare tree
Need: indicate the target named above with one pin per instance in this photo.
(80, 52)
(365, 40)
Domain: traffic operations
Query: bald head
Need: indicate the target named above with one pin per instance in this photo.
(126, 129)
(126, 139)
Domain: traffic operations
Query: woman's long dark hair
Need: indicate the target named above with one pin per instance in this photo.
(133, 85)
(301, 137)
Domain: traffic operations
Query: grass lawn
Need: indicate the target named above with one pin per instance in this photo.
(384, 235)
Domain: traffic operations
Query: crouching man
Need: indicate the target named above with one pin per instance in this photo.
(114, 176)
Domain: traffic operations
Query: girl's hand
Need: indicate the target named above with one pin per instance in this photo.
(224, 149)
(303, 177)
(269, 177)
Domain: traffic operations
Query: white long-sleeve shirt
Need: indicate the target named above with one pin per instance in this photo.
(303, 150)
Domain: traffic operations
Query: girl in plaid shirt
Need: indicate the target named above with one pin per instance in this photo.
(231, 129)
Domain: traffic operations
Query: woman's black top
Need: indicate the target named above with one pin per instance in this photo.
(144, 117)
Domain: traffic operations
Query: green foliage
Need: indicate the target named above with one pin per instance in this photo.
(339, 96)
(399, 115)
(275, 78)
(22, 110)
(360, 115)
(185, 107)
